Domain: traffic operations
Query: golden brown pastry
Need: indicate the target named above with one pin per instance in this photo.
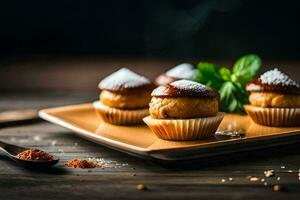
(163, 108)
(124, 97)
(126, 102)
(274, 99)
(184, 110)
(183, 71)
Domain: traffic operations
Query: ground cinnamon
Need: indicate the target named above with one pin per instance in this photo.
(77, 163)
(35, 154)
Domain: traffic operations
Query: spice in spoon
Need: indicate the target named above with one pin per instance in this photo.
(35, 154)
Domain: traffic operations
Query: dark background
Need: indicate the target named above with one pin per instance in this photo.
(62, 45)
(178, 29)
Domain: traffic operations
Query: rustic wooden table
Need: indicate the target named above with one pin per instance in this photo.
(221, 177)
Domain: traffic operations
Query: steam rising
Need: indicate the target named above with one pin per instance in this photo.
(182, 23)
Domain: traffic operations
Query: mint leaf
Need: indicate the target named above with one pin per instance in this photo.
(232, 97)
(246, 68)
(230, 84)
(208, 74)
(225, 73)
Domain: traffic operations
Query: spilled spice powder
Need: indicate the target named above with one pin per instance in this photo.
(35, 154)
(77, 163)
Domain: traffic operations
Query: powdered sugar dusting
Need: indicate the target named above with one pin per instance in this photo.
(123, 78)
(189, 85)
(184, 88)
(182, 71)
(276, 77)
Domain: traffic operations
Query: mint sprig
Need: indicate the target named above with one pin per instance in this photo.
(230, 83)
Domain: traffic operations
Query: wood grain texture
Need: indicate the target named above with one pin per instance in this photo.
(199, 179)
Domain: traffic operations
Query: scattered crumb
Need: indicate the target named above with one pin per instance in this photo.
(230, 179)
(290, 171)
(36, 138)
(282, 167)
(141, 187)
(262, 180)
(53, 143)
(254, 179)
(223, 180)
(265, 183)
(132, 168)
(269, 173)
(278, 178)
(61, 150)
(103, 163)
(276, 188)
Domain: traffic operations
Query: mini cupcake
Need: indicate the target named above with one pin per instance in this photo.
(274, 99)
(184, 110)
(124, 98)
(183, 71)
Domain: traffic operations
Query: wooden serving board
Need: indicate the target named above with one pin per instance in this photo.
(16, 117)
(140, 141)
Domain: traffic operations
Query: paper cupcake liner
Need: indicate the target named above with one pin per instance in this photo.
(118, 116)
(184, 129)
(277, 117)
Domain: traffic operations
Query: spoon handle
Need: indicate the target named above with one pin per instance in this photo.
(3, 147)
(10, 148)
(3, 144)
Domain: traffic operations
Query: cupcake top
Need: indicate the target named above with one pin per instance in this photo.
(274, 81)
(182, 71)
(184, 88)
(125, 80)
